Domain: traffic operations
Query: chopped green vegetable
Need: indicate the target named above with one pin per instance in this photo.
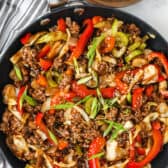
(83, 100)
(84, 80)
(53, 137)
(118, 53)
(18, 72)
(142, 46)
(52, 78)
(31, 101)
(94, 108)
(122, 38)
(52, 37)
(111, 102)
(117, 129)
(109, 128)
(93, 83)
(127, 111)
(28, 166)
(78, 150)
(76, 66)
(92, 48)
(134, 46)
(129, 97)
(116, 24)
(63, 106)
(98, 155)
(132, 55)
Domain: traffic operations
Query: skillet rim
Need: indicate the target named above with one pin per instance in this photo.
(58, 10)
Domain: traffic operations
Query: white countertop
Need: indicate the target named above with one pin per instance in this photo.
(154, 12)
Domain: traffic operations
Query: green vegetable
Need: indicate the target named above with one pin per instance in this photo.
(118, 53)
(29, 166)
(116, 129)
(142, 46)
(127, 111)
(102, 24)
(134, 46)
(83, 100)
(109, 128)
(76, 66)
(129, 97)
(84, 80)
(53, 137)
(116, 24)
(93, 83)
(111, 102)
(122, 38)
(132, 55)
(92, 48)
(63, 106)
(30, 100)
(52, 37)
(97, 155)
(78, 150)
(94, 108)
(52, 78)
(18, 72)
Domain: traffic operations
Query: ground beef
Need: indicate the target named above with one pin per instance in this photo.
(38, 94)
(82, 132)
(65, 80)
(123, 139)
(112, 114)
(29, 60)
(133, 29)
(58, 62)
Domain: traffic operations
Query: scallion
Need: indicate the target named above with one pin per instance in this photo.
(18, 72)
(63, 106)
(30, 100)
(84, 80)
(97, 155)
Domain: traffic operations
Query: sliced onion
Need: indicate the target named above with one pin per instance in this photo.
(139, 62)
(66, 165)
(20, 143)
(111, 150)
(46, 105)
(67, 116)
(41, 134)
(82, 112)
(109, 59)
(47, 161)
(163, 108)
(151, 75)
(128, 125)
(151, 117)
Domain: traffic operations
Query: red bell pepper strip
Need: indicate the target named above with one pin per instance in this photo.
(25, 39)
(149, 90)
(95, 147)
(38, 120)
(44, 51)
(137, 98)
(120, 85)
(20, 98)
(140, 151)
(97, 19)
(109, 44)
(162, 59)
(83, 40)
(157, 145)
(83, 91)
(45, 64)
(61, 25)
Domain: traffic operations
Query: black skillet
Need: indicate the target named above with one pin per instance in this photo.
(158, 44)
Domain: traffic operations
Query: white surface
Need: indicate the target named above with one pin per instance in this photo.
(154, 12)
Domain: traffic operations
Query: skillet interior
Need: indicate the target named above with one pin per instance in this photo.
(158, 44)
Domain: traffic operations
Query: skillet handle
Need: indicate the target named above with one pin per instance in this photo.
(54, 4)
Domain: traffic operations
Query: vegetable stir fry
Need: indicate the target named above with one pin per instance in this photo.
(87, 95)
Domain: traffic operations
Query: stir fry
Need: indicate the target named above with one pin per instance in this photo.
(87, 95)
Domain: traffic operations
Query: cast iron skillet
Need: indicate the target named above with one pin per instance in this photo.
(158, 44)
